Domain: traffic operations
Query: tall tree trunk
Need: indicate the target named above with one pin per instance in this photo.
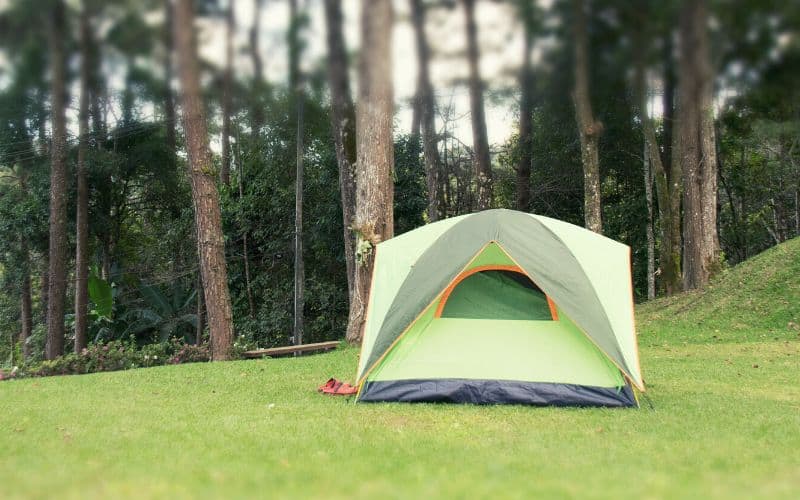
(296, 82)
(426, 108)
(293, 45)
(256, 112)
(669, 262)
(483, 165)
(523, 198)
(651, 240)
(204, 191)
(82, 209)
(589, 129)
(26, 304)
(374, 220)
(58, 186)
(668, 100)
(245, 250)
(343, 124)
(227, 83)
(170, 121)
(697, 150)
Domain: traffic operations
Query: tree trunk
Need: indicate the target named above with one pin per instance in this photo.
(483, 165)
(668, 100)
(299, 268)
(295, 80)
(227, 83)
(170, 120)
(426, 110)
(669, 263)
(374, 220)
(589, 129)
(257, 113)
(343, 121)
(245, 251)
(58, 186)
(651, 241)
(26, 304)
(697, 150)
(204, 191)
(82, 209)
(523, 199)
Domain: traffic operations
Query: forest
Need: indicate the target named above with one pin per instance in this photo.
(212, 175)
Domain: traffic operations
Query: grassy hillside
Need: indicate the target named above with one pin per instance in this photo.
(725, 423)
(757, 300)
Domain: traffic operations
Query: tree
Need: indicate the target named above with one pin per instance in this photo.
(170, 119)
(82, 209)
(374, 218)
(296, 88)
(426, 106)
(204, 191)
(483, 164)
(668, 194)
(589, 129)
(523, 184)
(57, 283)
(343, 124)
(696, 149)
(227, 97)
(257, 114)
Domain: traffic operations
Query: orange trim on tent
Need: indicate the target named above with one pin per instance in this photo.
(466, 274)
(552, 306)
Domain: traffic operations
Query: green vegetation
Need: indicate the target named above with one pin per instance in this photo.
(755, 301)
(724, 422)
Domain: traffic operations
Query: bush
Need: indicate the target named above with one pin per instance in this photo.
(114, 356)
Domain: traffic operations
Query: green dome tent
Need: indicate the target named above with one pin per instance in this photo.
(501, 307)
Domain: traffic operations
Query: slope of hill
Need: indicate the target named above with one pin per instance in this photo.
(758, 299)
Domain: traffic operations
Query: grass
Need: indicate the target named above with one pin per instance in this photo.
(726, 422)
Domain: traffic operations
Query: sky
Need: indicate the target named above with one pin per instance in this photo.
(500, 37)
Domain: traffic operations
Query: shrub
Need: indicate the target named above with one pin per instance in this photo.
(116, 355)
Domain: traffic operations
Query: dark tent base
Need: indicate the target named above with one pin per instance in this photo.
(496, 392)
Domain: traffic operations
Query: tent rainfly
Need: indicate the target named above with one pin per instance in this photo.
(501, 307)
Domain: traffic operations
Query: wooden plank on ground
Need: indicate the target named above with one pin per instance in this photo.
(291, 349)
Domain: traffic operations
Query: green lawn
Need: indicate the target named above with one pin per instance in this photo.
(726, 422)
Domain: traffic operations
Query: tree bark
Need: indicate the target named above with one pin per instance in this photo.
(343, 122)
(374, 220)
(697, 149)
(523, 198)
(483, 165)
(227, 84)
(589, 129)
(204, 191)
(256, 112)
(82, 209)
(170, 121)
(58, 185)
(426, 110)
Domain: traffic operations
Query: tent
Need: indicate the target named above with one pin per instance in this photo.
(501, 307)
